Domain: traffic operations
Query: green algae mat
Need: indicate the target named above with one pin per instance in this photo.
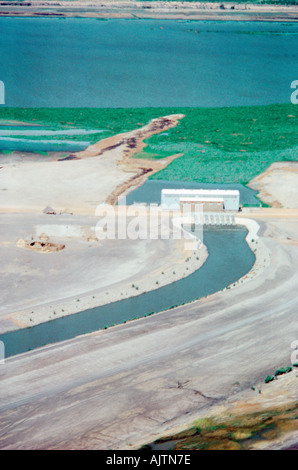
(218, 145)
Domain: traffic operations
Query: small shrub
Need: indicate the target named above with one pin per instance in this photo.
(282, 370)
(268, 379)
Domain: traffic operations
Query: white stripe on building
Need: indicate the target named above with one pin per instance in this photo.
(212, 199)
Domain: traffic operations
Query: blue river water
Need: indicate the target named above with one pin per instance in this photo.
(33, 139)
(75, 62)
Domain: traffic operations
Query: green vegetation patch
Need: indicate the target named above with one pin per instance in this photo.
(226, 145)
(112, 120)
(238, 432)
(218, 145)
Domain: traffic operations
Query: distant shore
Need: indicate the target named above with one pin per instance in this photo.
(217, 11)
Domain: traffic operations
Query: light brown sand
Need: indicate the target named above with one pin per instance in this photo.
(219, 11)
(277, 186)
(98, 174)
(87, 272)
(39, 286)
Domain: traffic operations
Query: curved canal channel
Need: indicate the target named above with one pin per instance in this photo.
(229, 259)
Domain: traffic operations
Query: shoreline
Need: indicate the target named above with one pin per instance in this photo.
(113, 155)
(23, 319)
(130, 144)
(121, 291)
(207, 11)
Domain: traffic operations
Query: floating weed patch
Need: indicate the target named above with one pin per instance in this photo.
(218, 145)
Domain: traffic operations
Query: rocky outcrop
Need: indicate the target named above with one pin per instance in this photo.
(41, 246)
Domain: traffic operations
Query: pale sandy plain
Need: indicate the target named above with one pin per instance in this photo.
(277, 186)
(39, 286)
(131, 9)
(127, 385)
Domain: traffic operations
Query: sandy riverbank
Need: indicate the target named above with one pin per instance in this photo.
(277, 186)
(83, 180)
(87, 272)
(129, 144)
(226, 11)
(112, 270)
(40, 287)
